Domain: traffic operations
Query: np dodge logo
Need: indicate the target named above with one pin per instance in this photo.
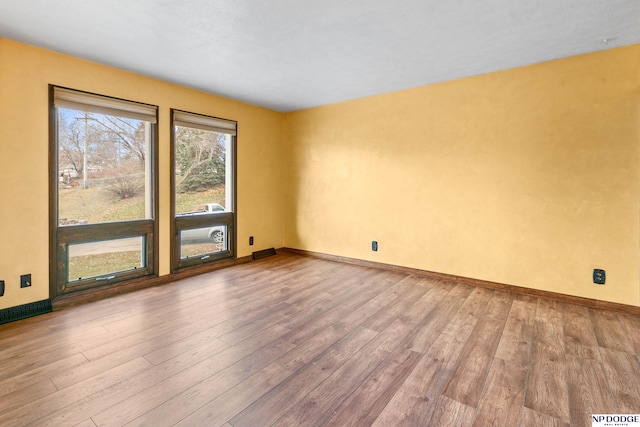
(615, 420)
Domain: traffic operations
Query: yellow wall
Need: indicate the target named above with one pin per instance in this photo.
(528, 176)
(25, 73)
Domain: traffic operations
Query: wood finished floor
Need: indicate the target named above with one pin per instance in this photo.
(298, 341)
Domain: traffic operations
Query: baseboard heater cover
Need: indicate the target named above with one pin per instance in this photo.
(263, 254)
(26, 310)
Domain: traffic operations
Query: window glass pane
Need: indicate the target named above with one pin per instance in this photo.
(93, 259)
(203, 171)
(104, 168)
(196, 242)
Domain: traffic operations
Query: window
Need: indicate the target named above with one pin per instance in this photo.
(203, 201)
(103, 190)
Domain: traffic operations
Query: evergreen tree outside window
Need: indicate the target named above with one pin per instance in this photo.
(203, 188)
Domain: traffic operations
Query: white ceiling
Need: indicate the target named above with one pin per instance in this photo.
(292, 54)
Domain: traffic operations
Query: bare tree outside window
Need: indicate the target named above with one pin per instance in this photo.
(103, 190)
(102, 162)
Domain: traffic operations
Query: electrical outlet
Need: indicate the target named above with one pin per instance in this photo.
(250, 240)
(374, 246)
(599, 276)
(25, 280)
(1, 288)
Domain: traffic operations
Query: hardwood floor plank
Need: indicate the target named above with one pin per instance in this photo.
(610, 330)
(145, 342)
(547, 390)
(26, 395)
(316, 406)
(260, 324)
(310, 349)
(622, 370)
(191, 342)
(414, 401)
(272, 405)
(187, 391)
(292, 286)
(499, 305)
(451, 413)
(467, 383)
(530, 418)
(195, 365)
(295, 340)
(37, 351)
(340, 280)
(119, 341)
(503, 396)
(293, 313)
(37, 410)
(40, 327)
(41, 373)
(98, 366)
(580, 340)
(221, 408)
(350, 312)
(549, 330)
(172, 331)
(364, 406)
(318, 403)
(224, 297)
(633, 329)
(588, 390)
(307, 351)
(322, 308)
(438, 318)
(517, 336)
(409, 290)
(475, 304)
(168, 298)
